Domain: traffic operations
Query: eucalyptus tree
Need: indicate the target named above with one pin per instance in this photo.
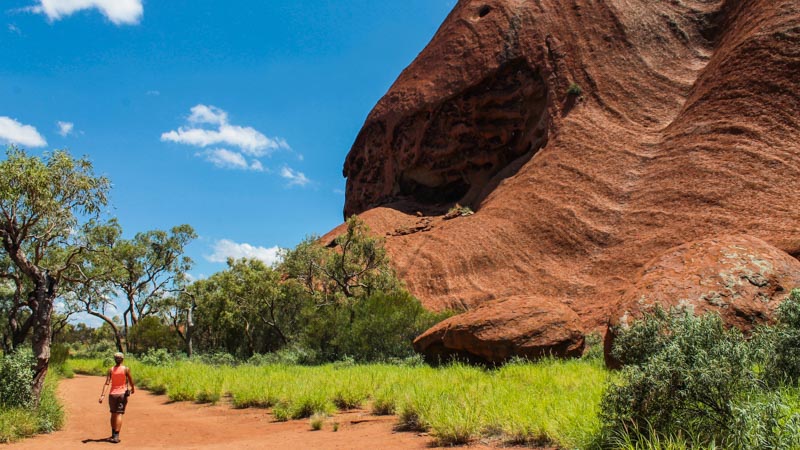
(355, 265)
(142, 273)
(48, 207)
(149, 269)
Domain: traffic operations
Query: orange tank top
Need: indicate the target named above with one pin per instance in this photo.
(118, 380)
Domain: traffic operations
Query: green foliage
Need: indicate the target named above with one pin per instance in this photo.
(17, 423)
(16, 377)
(157, 357)
(49, 208)
(780, 344)
(151, 333)
(247, 310)
(690, 376)
(575, 89)
(356, 267)
(218, 359)
(319, 305)
(385, 325)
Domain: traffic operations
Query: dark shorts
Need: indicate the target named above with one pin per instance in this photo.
(117, 403)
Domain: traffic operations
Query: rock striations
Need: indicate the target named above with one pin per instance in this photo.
(686, 127)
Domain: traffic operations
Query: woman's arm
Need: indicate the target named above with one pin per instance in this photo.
(103, 392)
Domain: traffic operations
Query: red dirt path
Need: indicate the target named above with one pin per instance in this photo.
(153, 423)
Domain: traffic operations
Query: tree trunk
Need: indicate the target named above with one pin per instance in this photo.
(44, 296)
(189, 330)
(118, 337)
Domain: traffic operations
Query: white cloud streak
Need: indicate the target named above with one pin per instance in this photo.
(225, 248)
(249, 140)
(295, 178)
(65, 128)
(119, 12)
(226, 159)
(14, 132)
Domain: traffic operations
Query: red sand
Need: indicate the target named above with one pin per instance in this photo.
(152, 422)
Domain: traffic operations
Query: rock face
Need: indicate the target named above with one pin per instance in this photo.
(525, 326)
(741, 278)
(688, 127)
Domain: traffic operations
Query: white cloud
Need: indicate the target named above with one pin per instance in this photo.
(226, 159)
(16, 133)
(14, 29)
(120, 12)
(295, 178)
(208, 114)
(153, 93)
(225, 248)
(249, 140)
(65, 128)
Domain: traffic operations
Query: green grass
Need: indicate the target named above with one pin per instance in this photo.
(552, 402)
(19, 423)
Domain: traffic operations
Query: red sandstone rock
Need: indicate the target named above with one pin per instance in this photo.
(688, 127)
(741, 278)
(526, 326)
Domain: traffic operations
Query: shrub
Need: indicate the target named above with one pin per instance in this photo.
(458, 211)
(17, 423)
(779, 344)
(157, 357)
(292, 355)
(219, 359)
(317, 420)
(574, 89)
(384, 326)
(16, 378)
(688, 375)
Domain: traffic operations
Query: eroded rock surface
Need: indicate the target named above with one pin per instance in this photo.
(688, 127)
(524, 326)
(741, 278)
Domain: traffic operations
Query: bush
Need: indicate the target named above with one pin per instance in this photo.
(780, 344)
(575, 89)
(219, 359)
(16, 378)
(17, 423)
(293, 355)
(458, 211)
(157, 357)
(380, 327)
(688, 375)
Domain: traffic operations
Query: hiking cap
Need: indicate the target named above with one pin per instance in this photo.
(119, 355)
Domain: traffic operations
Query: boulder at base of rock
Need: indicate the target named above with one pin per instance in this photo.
(524, 326)
(740, 277)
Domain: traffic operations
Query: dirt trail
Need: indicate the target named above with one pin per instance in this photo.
(153, 423)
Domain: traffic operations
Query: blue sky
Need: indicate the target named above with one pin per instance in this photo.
(234, 117)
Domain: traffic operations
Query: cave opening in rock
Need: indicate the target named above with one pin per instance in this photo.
(484, 11)
(446, 193)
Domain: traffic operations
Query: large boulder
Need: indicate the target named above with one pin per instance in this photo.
(522, 326)
(739, 277)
